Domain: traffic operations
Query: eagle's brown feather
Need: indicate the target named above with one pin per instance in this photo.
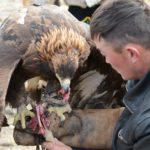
(29, 47)
(61, 40)
(96, 84)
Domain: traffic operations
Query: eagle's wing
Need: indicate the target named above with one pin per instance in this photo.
(96, 84)
(8, 66)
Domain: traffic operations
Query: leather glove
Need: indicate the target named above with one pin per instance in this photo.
(89, 128)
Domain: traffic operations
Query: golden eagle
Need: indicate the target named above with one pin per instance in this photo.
(44, 41)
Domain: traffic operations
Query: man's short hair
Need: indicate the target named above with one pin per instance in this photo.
(121, 22)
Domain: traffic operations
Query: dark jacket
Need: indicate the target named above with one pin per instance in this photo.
(133, 127)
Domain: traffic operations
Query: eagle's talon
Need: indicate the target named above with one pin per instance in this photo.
(62, 123)
(60, 111)
(21, 117)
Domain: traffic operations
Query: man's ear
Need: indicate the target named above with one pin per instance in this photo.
(133, 52)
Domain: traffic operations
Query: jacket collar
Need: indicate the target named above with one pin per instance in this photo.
(136, 89)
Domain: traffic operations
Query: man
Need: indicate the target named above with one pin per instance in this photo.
(121, 32)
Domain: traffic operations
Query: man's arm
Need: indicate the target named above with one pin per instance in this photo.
(91, 128)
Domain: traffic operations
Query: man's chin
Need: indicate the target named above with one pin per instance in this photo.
(128, 78)
(124, 77)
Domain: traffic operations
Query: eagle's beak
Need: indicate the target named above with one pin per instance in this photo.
(65, 88)
(65, 84)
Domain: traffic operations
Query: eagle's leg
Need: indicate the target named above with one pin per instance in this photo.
(22, 112)
(31, 96)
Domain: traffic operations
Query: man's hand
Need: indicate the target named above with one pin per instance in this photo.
(56, 145)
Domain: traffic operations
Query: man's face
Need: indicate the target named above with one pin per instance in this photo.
(119, 61)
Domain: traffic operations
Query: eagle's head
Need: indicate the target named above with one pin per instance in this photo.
(65, 50)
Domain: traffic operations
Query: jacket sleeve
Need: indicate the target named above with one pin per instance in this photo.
(142, 135)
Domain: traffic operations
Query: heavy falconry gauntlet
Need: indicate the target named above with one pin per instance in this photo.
(90, 128)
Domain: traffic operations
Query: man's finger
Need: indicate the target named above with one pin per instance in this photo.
(47, 145)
